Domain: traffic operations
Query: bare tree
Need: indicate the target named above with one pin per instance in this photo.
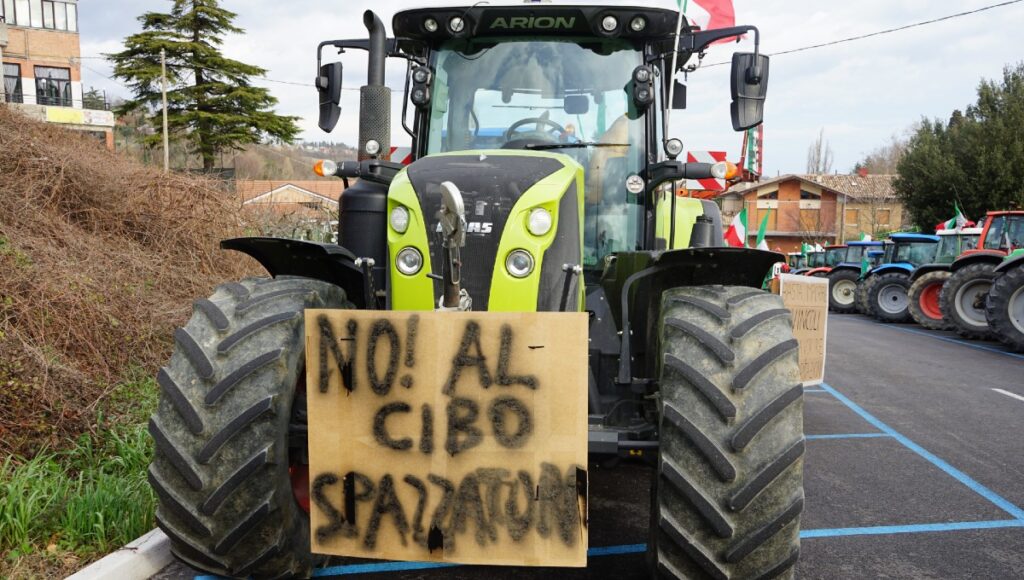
(883, 159)
(819, 156)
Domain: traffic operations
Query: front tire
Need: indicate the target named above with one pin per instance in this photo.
(860, 298)
(888, 299)
(963, 300)
(924, 295)
(225, 450)
(842, 291)
(1005, 308)
(729, 486)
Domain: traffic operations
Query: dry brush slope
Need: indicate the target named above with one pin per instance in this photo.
(100, 257)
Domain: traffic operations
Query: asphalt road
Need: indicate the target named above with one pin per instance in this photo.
(914, 469)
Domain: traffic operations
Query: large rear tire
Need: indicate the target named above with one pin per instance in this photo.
(963, 300)
(887, 297)
(229, 431)
(729, 486)
(1005, 308)
(924, 300)
(861, 296)
(842, 291)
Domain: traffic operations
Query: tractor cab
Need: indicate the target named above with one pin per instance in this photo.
(796, 260)
(815, 259)
(886, 287)
(952, 243)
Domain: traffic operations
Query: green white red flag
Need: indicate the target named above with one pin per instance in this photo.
(761, 231)
(736, 235)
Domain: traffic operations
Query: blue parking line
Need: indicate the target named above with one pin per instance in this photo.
(953, 472)
(909, 529)
(954, 341)
(847, 435)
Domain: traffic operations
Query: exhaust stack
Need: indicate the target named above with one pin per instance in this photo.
(375, 97)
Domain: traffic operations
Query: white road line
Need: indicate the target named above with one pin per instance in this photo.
(1009, 394)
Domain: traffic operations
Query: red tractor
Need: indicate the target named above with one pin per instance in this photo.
(964, 295)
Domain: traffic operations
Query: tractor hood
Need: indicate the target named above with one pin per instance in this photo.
(500, 190)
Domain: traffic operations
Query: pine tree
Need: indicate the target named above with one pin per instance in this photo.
(975, 159)
(211, 103)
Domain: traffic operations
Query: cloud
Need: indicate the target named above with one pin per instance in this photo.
(861, 92)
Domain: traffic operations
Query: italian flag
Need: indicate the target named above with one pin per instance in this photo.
(865, 237)
(956, 222)
(761, 244)
(736, 235)
(806, 248)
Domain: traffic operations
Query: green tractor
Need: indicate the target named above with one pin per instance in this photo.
(1004, 309)
(541, 182)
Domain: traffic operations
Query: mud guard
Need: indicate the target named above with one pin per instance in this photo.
(928, 269)
(1011, 261)
(325, 262)
(632, 275)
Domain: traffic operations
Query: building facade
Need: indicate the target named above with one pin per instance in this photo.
(42, 66)
(815, 209)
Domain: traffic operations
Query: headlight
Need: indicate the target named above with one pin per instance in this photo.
(519, 263)
(399, 219)
(410, 261)
(609, 23)
(638, 24)
(540, 222)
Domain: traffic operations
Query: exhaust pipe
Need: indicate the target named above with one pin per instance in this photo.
(375, 97)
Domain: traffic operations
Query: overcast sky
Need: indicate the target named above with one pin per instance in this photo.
(860, 92)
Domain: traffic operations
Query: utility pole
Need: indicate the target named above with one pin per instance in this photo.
(163, 72)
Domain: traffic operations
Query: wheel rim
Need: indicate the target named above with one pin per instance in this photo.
(970, 302)
(892, 298)
(929, 301)
(843, 292)
(1017, 310)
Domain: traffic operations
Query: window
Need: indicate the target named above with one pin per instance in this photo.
(772, 195)
(49, 14)
(53, 86)
(808, 195)
(852, 218)
(36, 13)
(20, 13)
(12, 84)
(882, 217)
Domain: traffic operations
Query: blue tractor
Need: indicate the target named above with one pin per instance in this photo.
(888, 285)
(842, 279)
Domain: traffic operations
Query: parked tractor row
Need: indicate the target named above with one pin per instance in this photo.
(968, 280)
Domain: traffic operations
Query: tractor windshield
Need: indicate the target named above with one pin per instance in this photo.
(834, 255)
(560, 95)
(855, 253)
(1006, 232)
(952, 245)
(816, 259)
(916, 253)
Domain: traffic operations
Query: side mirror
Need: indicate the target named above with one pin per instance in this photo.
(328, 86)
(749, 88)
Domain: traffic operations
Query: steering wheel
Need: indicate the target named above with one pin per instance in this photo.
(510, 134)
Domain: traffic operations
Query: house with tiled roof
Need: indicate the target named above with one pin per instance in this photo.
(816, 209)
(306, 210)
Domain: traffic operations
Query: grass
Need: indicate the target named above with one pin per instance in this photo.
(61, 509)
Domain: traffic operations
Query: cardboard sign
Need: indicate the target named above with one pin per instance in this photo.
(448, 436)
(807, 298)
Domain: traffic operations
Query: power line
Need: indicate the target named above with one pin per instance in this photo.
(886, 31)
